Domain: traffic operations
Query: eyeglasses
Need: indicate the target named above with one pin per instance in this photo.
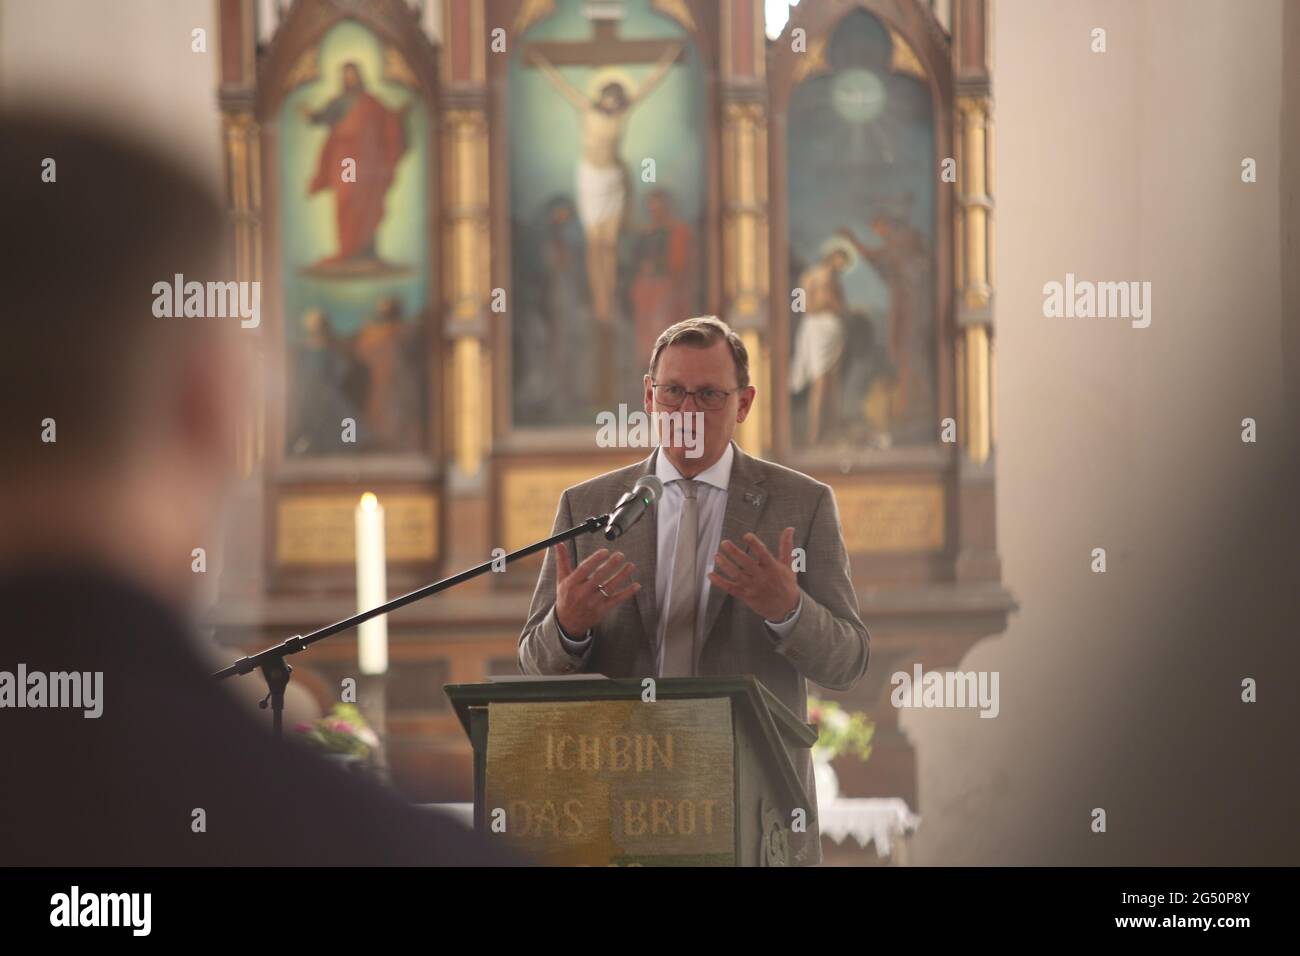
(709, 399)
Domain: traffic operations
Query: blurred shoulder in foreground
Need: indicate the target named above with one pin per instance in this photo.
(117, 445)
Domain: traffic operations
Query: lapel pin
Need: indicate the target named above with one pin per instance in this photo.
(753, 499)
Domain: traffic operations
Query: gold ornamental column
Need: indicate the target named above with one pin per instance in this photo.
(744, 189)
(241, 142)
(975, 276)
(466, 244)
(467, 252)
(242, 138)
(972, 143)
(239, 552)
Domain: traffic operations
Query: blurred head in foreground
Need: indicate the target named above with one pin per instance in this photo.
(118, 444)
(119, 425)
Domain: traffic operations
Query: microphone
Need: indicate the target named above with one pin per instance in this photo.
(632, 505)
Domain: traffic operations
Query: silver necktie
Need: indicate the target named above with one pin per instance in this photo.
(684, 592)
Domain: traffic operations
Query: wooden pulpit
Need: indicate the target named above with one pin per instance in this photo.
(601, 772)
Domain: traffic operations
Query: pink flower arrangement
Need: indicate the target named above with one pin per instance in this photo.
(342, 731)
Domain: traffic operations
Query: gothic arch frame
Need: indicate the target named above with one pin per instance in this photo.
(280, 70)
(700, 19)
(929, 46)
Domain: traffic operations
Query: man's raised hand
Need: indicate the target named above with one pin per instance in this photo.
(766, 583)
(579, 603)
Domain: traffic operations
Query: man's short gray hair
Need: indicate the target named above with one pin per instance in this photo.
(702, 332)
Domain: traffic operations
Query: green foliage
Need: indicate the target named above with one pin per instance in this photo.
(840, 732)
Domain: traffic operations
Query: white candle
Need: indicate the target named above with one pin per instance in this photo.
(372, 585)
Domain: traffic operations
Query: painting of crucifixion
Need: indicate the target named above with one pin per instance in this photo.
(607, 144)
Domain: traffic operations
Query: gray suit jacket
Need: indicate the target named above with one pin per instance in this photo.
(828, 645)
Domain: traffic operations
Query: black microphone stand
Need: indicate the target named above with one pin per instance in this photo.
(277, 670)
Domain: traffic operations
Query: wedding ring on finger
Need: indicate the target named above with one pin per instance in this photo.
(601, 589)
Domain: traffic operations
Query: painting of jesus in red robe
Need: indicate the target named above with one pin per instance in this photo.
(361, 129)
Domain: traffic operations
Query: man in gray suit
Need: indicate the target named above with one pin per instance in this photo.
(719, 591)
